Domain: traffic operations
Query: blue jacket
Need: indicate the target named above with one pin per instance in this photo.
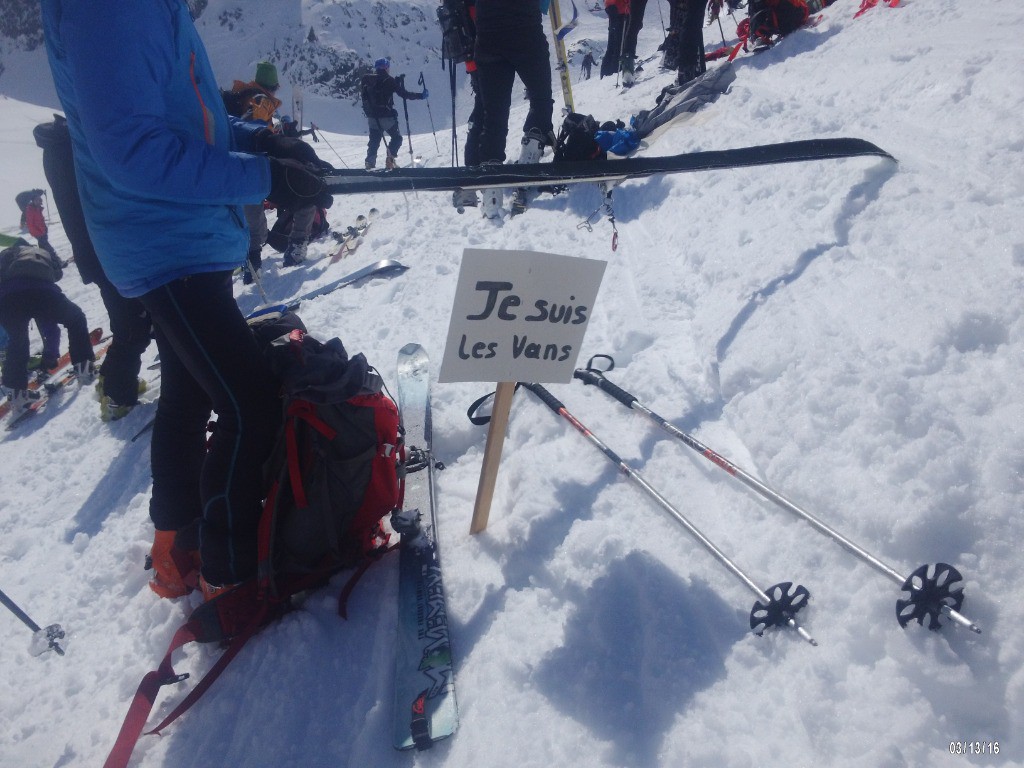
(161, 169)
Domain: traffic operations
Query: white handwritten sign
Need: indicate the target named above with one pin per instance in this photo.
(519, 316)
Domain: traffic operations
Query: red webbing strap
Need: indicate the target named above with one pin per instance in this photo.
(866, 5)
(350, 585)
(265, 539)
(145, 696)
(305, 410)
(236, 645)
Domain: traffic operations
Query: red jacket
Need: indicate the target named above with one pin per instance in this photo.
(34, 219)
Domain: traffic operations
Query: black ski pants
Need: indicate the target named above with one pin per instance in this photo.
(616, 29)
(634, 23)
(209, 360)
(684, 47)
(471, 154)
(496, 73)
(45, 304)
(132, 331)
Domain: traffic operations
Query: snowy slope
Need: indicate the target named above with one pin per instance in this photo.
(851, 333)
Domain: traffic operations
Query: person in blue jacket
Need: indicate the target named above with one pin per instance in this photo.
(164, 174)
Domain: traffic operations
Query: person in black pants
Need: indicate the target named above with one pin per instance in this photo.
(164, 173)
(618, 12)
(29, 291)
(118, 385)
(510, 41)
(378, 92)
(684, 46)
(634, 23)
(210, 361)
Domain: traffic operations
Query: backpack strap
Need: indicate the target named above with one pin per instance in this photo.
(145, 696)
(236, 645)
(363, 566)
(305, 411)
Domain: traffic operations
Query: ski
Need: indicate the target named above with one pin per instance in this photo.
(53, 384)
(425, 710)
(382, 268)
(297, 106)
(353, 236)
(64, 361)
(350, 182)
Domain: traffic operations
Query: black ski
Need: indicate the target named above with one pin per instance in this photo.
(350, 182)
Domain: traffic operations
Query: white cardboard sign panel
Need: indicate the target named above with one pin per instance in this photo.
(519, 316)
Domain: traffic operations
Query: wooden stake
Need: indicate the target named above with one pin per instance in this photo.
(492, 455)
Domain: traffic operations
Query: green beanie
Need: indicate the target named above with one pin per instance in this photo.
(266, 75)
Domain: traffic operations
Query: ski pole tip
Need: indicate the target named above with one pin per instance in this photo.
(962, 620)
(804, 634)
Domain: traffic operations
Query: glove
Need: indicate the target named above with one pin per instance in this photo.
(294, 184)
(425, 94)
(284, 147)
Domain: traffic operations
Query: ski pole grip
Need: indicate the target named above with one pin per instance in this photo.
(546, 397)
(598, 380)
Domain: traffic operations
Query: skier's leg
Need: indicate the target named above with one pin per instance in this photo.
(376, 134)
(14, 317)
(132, 332)
(496, 79)
(205, 332)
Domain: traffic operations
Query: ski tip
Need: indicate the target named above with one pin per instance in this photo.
(391, 265)
(410, 349)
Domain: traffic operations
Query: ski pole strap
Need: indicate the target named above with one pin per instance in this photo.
(480, 421)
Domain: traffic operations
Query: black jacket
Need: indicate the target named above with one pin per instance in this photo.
(59, 168)
(378, 92)
(508, 26)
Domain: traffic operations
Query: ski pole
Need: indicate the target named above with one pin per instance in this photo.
(257, 279)
(432, 129)
(455, 133)
(50, 635)
(408, 130)
(930, 588)
(772, 608)
(325, 141)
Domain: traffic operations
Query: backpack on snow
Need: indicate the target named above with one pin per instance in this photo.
(576, 139)
(337, 469)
